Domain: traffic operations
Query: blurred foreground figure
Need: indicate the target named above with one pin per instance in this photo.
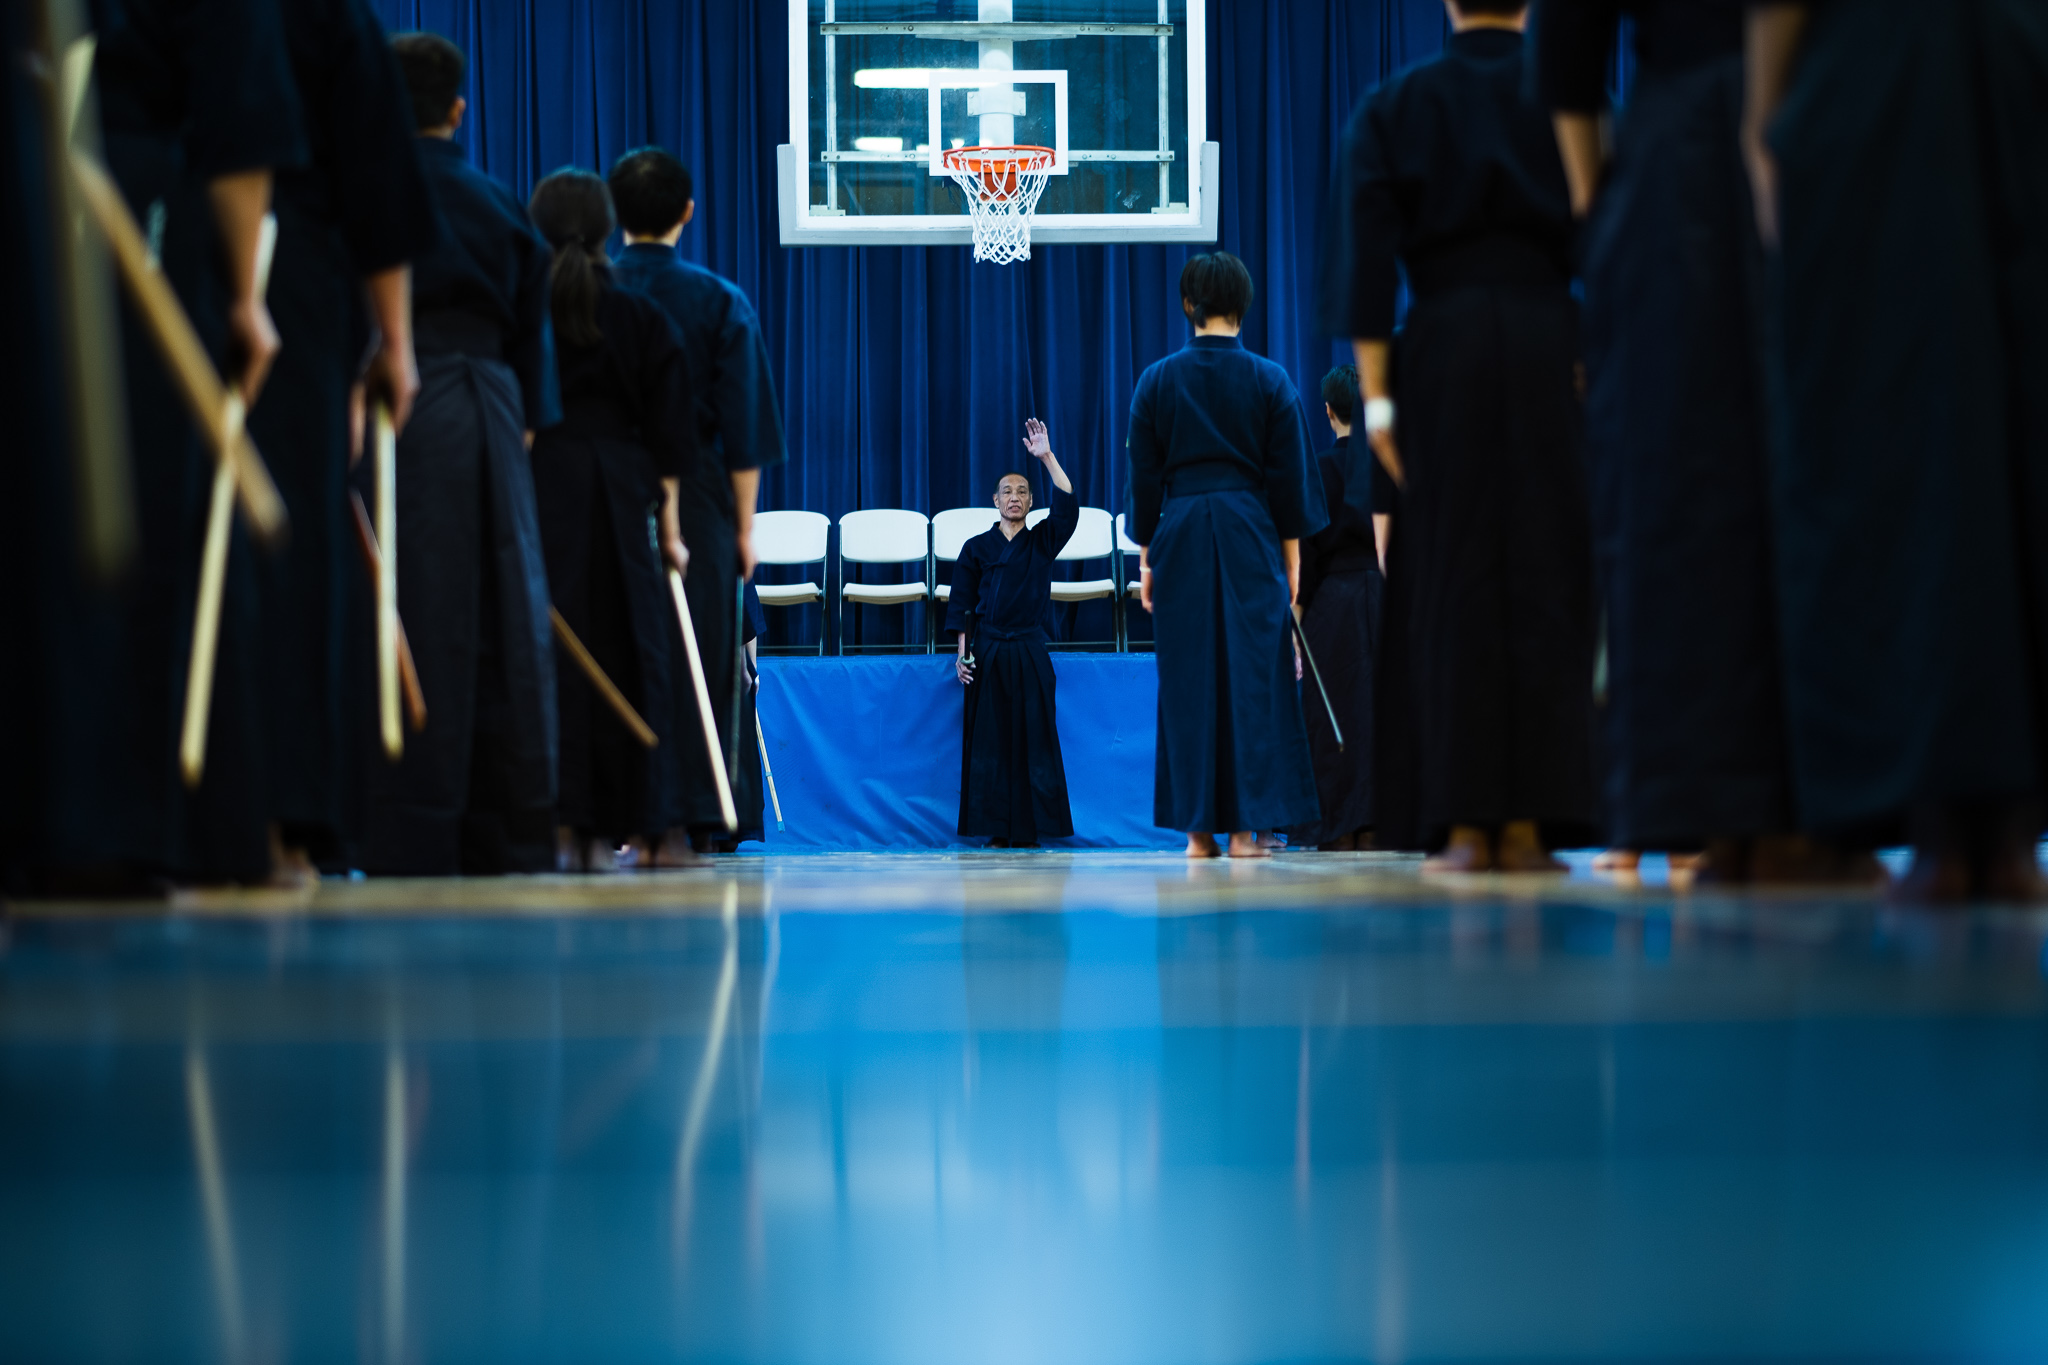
(1897, 150)
(1452, 173)
(1676, 432)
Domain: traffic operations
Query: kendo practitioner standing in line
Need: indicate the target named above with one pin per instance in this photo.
(1677, 435)
(1013, 783)
(605, 478)
(1897, 153)
(1452, 172)
(1339, 609)
(1221, 494)
(348, 222)
(198, 109)
(739, 434)
(475, 790)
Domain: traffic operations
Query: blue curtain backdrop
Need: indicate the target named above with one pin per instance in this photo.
(906, 373)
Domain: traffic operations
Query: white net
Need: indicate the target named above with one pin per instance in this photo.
(1002, 185)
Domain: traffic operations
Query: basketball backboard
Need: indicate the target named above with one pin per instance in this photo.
(880, 89)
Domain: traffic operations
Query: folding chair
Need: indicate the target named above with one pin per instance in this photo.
(1127, 553)
(885, 535)
(795, 538)
(951, 530)
(1092, 539)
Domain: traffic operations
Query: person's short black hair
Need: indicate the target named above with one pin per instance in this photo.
(434, 70)
(651, 191)
(1505, 8)
(1340, 391)
(1215, 284)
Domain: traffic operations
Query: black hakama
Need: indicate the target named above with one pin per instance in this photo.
(359, 207)
(475, 791)
(1454, 172)
(739, 427)
(1676, 432)
(190, 90)
(1013, 782)
(597, 479)
(1341, 592)
(1219, 477)
(1912, 469)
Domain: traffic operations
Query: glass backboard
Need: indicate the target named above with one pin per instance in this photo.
(879, 89)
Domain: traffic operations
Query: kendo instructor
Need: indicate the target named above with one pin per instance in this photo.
(1013, 785)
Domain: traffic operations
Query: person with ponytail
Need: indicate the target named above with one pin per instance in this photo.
(606, 479)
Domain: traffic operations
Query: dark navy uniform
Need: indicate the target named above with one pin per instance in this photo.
(739, 427)
(475, 791)
(1340, 604)
(1220, 475)
(1912, 470)
(359, 206)
(627, 423)
(190, 90)
(1452, 172)
(1013, 783)
(1676, 433)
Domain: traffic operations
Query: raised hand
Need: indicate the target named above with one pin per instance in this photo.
(1036, 440)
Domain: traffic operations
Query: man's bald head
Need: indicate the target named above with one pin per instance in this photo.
(1013, 496)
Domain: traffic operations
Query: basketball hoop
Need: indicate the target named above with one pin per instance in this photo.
(1002, 185)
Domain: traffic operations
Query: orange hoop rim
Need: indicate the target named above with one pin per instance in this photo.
(997, 172)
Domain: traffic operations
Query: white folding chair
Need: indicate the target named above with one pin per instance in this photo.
(794, 538)
(884, 535)
(951, 530)
(1092, 539)
(1127, 553)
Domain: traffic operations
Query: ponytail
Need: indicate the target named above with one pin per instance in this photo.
(573, 210)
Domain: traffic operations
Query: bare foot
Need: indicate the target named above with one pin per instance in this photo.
(290, 868)
(568, 850)
(1468, 851)
(1521, 849)
(1203, 846)
(1937, 877)
(677, 851)
(2011, 874)
(599, 855)
(1343, 843)
(1247, 844)
(1618, 860)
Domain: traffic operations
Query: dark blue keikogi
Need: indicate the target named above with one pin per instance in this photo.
(739, 427)
(1220, 474)
(1013, 783)
(1675, 428)
(475, 791)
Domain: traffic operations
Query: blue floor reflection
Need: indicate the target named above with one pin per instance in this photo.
(1479, 1130)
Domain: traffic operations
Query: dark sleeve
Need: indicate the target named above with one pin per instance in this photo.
(1372, 228)
(1058, 526)
(380, 190)
(1386, 494)
(749, 417)
(1316, 549)
(965, 600)
(532, 349)
(1574, 44)
(244, 109)
(668, 414)
(1293, 492)
(1147, 466)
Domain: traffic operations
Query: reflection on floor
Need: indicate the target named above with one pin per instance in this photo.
(1045, 1107)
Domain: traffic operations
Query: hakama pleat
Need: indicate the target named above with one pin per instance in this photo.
(1499, 549)
(475, 791)
(1013, 781)
(1232, 747)
(1396, 750)
(1342, 626)
(1912, 488)
(1693, 729)
(598, 496)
